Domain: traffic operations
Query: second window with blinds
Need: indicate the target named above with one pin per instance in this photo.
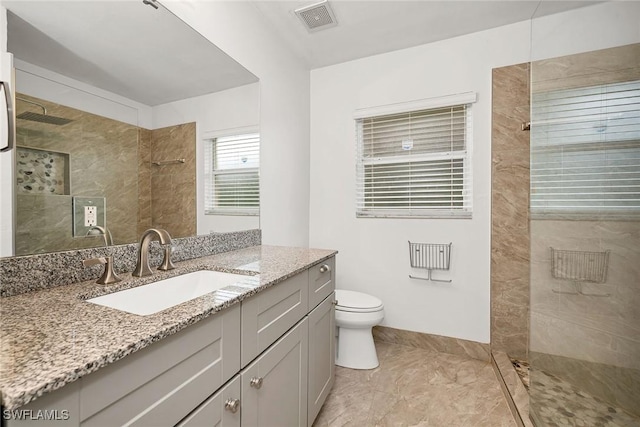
(232, 184)
(415, 163)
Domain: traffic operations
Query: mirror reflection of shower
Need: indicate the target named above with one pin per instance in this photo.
(68, 160)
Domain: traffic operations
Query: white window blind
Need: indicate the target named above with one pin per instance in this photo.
(415, 164)
(232, 184)
(585, 151)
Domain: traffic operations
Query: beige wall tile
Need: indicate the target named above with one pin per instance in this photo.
(509, 211)
(173, 195)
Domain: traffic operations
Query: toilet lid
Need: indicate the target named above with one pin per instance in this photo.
(356, 301)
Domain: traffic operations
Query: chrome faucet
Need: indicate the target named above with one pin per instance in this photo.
(142, 267)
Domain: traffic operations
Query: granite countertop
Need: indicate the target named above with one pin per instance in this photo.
(52, 337)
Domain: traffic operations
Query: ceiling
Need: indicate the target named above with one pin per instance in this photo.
(372, 27)
(124, 44)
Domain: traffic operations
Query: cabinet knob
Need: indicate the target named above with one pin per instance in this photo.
(324, 268)
(256, 382)
(232, 405)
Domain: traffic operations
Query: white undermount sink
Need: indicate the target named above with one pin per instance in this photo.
(163, 294)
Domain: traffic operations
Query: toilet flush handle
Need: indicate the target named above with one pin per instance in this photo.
(324, 268)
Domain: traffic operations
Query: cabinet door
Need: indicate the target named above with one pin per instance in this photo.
(220, 410)
(274, 386)
(322, 338)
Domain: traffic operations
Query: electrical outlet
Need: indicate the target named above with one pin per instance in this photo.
(90, 216)
(88, 212)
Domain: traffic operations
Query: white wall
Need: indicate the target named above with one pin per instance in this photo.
(615, 23)
(233, 110)
(373, 254)
(239, 29)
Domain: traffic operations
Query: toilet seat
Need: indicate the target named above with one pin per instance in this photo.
(357, 302)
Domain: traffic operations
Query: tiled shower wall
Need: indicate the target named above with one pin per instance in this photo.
(108, 159)
(509, 211)
(144, 180)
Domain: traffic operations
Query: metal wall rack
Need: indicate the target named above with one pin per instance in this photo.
(579, 267)
(430, 256)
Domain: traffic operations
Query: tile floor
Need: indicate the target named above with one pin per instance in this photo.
(559, 403)
(417, 387)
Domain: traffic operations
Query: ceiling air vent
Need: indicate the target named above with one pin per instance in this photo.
(317, 16)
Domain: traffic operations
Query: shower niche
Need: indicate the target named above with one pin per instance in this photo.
(42, 172)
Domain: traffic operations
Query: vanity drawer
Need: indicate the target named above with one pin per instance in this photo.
(269, 314)
(321, 281)
(162, 383)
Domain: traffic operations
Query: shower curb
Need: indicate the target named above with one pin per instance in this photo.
(514, 391)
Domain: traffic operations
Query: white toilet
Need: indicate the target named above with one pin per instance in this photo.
(356, 314)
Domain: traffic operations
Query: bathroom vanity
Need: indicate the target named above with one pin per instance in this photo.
(258, 352)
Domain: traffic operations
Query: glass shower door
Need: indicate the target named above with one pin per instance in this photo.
(585, 239)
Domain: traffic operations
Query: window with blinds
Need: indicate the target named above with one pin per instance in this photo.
(585, 152)
(232, 184)
(415, 164)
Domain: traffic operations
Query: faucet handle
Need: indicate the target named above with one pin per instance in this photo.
(108, 276)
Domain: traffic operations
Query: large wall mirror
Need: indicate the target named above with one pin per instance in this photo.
(126, 119)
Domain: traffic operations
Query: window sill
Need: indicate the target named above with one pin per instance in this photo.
(574, 216)
(434, 215)
(232, 213)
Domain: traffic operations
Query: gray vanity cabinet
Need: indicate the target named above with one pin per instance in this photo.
(268, 361)
(288, 383)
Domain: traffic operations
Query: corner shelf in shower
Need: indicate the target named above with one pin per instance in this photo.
(580, 267)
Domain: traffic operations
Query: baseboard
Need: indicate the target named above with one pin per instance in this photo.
(472, 349)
